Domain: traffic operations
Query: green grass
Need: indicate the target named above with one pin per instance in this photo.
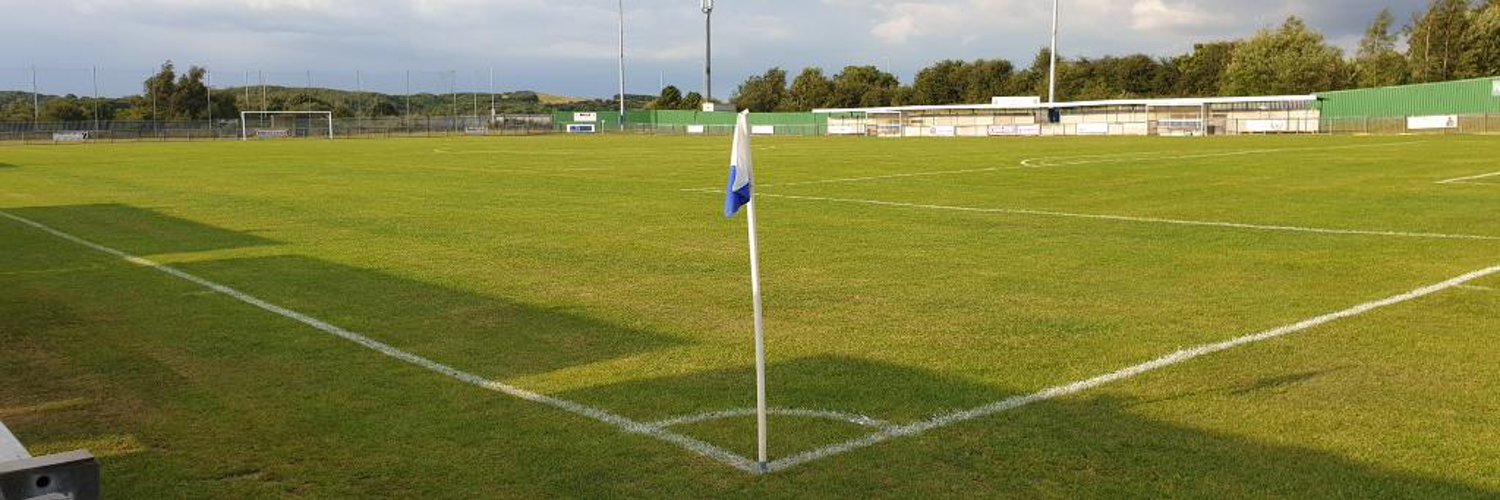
(588, 269)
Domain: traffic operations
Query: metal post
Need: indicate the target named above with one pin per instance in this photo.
(708, 50)
(492, 92)
(1052, 71)
(407, 116)
(210, 88)
(96, 98)
(622, 65)
(36, 101)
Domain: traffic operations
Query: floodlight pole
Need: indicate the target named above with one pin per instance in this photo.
(622, 65)
(96, 98)
(708, 50)
(1052, 71)
(36, 101)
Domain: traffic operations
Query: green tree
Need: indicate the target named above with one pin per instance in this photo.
(693, 100)
(189, 98)
(762, 93)
(226, 106)
(17, 111)
(1292, 59)
(159, 91)
(1201, 72)
(863, 86)
(988, 78)
(1033, 81)
(811, 90)
(1436, 39)
(1482, 43)
(671, 98)
(64, 110)
(941, 83)
(1378, 64)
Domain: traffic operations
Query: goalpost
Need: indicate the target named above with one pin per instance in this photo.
(293, 123)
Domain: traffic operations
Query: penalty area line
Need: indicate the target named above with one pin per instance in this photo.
(1175, 358)
(625, 424)
(1149, 220)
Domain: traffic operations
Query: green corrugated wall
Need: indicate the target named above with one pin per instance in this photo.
(1462, 97)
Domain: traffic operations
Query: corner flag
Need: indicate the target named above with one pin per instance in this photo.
(738, 195)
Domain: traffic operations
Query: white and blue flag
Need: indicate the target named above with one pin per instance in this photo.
(737, 194)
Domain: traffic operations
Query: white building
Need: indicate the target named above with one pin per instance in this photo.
(1031, 117)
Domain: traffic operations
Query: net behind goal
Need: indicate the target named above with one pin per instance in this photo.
(285, 124)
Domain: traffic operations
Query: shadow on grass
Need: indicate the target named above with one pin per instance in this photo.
(1082, 446)
(484, 335)
(139, 231)
(5, 166)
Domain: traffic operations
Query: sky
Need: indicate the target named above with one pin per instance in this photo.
(570, 47)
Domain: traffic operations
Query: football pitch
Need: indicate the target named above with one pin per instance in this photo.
(570, 316)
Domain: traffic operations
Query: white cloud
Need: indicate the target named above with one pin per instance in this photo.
(565, 46)
(1158, 15)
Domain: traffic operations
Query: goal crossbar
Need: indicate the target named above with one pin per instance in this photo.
(245, 120)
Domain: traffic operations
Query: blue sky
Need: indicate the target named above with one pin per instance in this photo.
(569, 46)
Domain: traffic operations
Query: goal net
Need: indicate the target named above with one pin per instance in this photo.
(285, 124)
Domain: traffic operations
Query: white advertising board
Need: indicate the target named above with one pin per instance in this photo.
(844, 130)
(1015, 130)
(696, 129)
(942, 131)
(762, 130)
(1432, 122)
(586, 117)
(1495, 88)
(1093, 129)
(1015, 102)
(70, 136)
(1266, 126)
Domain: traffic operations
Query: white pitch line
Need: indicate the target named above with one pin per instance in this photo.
(851, 418)
(892, 176)
(1150, 220)
(1127, 373)
(1128, 156)
(1030, 163)
(631, 426)
(1464, 180)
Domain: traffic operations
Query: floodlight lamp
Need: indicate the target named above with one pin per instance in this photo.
(708, 6)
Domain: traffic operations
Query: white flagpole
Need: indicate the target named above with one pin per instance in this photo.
(760, 340)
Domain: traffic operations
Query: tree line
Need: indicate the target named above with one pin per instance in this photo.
(171, 95)
(1451, 39)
